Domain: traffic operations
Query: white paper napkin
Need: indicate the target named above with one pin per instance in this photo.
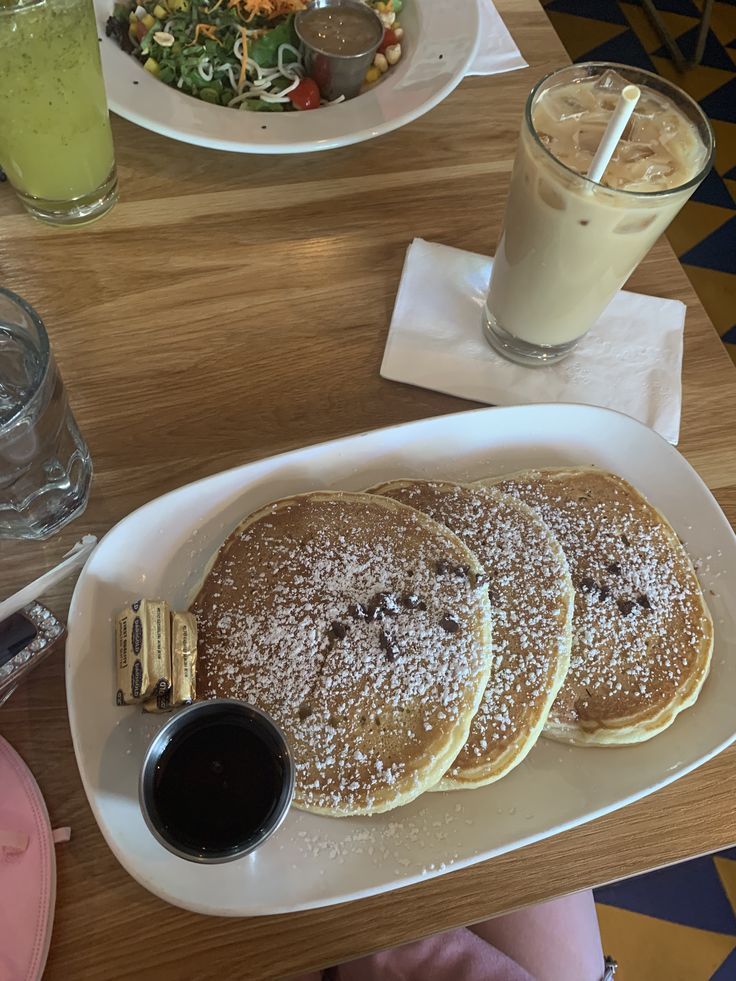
(497, 51)
(630, 361)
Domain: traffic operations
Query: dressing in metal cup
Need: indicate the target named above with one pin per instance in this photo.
(338, 74)
(217, 781)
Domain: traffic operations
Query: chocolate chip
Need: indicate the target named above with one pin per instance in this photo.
(604, 592)
(625, 540)
(389, 645)
(450, 623)
(493, 595)
(375, 612)
(643, 602)
(443, 567)
(588, 585)
(305, 711)
(614, 568)
(413, 602)
(358, 612)
(584, 221)
(338, 629)
(481, 579)
(625, 605)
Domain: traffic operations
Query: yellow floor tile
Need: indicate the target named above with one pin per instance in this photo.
(642, 26)
(726, 869)
(579, 34)
(698, 82)
(724, 22)
(694, 223)
(717, 292)
(648, 949)
(676, 24)
(725, 145)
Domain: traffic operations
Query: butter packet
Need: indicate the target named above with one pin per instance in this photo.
(159, 702)
(183, 658)
(143, 650)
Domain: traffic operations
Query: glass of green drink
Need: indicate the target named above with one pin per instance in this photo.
(55, 141)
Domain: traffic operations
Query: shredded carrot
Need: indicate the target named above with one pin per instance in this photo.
(209, 31)
(243, 58)
(270, 9)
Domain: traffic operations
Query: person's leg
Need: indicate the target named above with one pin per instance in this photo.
(554, 941)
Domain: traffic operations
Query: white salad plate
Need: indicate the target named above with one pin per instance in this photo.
(438, 45)
(161, 550)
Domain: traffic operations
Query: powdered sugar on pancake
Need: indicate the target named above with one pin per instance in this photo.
(369, 700)
(639, 628)
(531, 600)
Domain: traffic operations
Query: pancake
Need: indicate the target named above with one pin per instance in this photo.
(642, 634)
(363, 628)
(532, 601)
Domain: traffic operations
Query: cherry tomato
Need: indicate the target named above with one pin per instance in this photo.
(140, 30)
(305, 95)
(389, 38)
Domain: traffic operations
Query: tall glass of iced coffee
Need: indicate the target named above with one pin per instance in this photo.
(569, 243)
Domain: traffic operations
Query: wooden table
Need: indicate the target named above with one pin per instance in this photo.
(232, 307)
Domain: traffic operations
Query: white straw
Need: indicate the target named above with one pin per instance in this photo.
(616, 125)
(74, 559)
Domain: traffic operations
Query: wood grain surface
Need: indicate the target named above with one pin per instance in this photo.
(231, 307)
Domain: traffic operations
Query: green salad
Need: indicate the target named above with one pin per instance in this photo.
(238, 53)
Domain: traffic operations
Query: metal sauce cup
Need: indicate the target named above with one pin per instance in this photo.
(338, 74)
(173, 765)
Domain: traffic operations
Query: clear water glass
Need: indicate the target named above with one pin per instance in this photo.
(45, 466)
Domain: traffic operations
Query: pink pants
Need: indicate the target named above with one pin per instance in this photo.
(554, 941)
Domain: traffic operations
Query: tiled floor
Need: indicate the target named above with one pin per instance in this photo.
(678, 924)
(704, 234)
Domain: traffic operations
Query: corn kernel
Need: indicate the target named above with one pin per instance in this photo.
(148, 21)
(132, 19)
(152, 66)
(372, 75)
(380, 62)
(160, 12)
(387, 18)
(393, 53)
(399, 32)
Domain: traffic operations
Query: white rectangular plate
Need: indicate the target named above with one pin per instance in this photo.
(161, 550)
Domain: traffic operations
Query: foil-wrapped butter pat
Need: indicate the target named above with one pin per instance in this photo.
(143, 650)
(159, 702)
(184, 658)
